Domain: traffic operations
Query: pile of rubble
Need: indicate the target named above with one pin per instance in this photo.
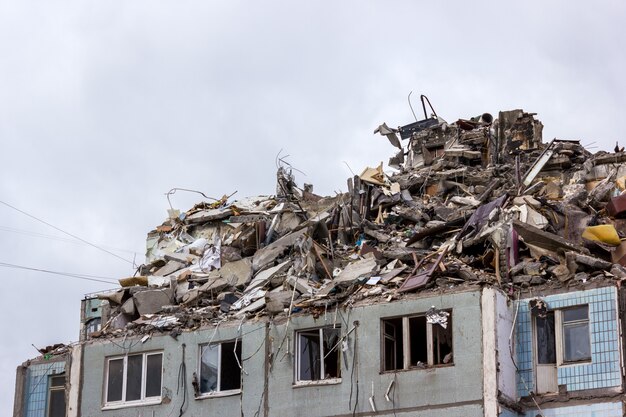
(481, 201)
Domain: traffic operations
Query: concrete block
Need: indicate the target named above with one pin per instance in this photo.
(151, 301)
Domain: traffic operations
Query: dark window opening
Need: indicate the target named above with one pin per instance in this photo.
(393, 348)
(219, 367)
(56, 396)
(418, 340)
(426, 344)
(318, 355)
(546, 342)
(442, 343)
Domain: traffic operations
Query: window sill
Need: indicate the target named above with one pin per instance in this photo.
(329, 381)
(218, 394)
(131, 404)
(417, 368)
(570, 364)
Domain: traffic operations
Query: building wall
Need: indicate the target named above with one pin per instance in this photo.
(604, 370)
(614, 409)
(35, 399)
(449, 390)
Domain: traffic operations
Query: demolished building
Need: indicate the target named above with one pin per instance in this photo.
(481, 278)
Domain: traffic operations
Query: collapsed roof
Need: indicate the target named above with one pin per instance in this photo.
(481, 201)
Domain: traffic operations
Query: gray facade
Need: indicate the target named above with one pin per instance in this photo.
(268, 387)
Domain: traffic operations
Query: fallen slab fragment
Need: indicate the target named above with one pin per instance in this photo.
(263, 277)
(151, 301)
(543, 239)
(238, 273)
(204, 216)
(170, 268)
(300, 284)
(272, 251)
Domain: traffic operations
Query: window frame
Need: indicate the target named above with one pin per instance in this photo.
(219, 392)
(406, 343)
(560, 326)
(144, 400)
(54, 388)
(322, 380)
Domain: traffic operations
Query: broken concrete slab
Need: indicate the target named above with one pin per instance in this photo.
(237, 274)
(151, 301)
(268, 254)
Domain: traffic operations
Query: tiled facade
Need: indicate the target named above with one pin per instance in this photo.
(589, 410)
(36, 387)
(604, 369)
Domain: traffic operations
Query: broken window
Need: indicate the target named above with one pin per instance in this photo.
(219, 367)
(56, 396)
(93, 325)
(546, 343)
(417, 341)
(317, 354)
(575, 333)
(134, 378)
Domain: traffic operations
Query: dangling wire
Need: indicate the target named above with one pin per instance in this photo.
(182, 382)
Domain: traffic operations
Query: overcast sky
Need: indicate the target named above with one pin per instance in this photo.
(106, 105)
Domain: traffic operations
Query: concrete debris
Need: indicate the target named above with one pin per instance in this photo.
(478, 202)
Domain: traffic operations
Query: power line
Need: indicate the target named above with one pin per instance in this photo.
(58, 238)
(67, 233)
(107, 280)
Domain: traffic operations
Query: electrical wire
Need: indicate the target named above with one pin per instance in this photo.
(96, 278)
(58, 238)
(67, 233)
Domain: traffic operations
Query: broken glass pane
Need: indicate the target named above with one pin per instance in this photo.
(442, 342)
(208, 368)
(332, 367)
(133, 377)
(546, 342)
(114, 383)
(230, 373)
(153, 375)
(309, 355)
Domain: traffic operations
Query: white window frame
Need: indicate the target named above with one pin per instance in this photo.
(323, 354)
(109, 405)
(406, 343)
(559, 329)
(218, 392)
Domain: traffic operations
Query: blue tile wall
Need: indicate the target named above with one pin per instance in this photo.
(36, 388)
(590, 410)
(604, 369)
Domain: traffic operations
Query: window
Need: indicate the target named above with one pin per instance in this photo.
(416, 341)
(93, 325)
(134, 379)
(576, 346)
(317, 354)
(561, 338)
(56, 396)
(219, 367)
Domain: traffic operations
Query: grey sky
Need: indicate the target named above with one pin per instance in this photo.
(104, 106)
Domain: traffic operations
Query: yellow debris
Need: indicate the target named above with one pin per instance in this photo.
(604, 233)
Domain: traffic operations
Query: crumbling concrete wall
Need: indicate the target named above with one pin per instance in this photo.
(454, 389)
